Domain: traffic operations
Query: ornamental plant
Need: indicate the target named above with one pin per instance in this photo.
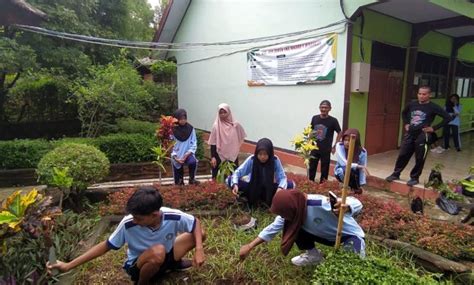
(165, 130)
(160, 154)
(304, 143)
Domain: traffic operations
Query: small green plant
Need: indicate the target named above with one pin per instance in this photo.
(161, 154)
(63, 181)
(226, 168)
(438, 167)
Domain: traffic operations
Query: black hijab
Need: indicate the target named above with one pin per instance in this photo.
(261, 182)
(358, 146)
(182, 133)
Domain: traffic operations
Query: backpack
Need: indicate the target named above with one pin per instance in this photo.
(417, 205)
(435, 179)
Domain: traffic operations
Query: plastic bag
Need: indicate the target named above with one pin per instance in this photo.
(417, 205)
(449, 206)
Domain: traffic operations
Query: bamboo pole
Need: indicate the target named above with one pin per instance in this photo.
(347, 175)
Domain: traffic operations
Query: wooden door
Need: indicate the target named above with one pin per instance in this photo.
(383, 114)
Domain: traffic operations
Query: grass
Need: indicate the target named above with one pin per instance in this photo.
(264, 265)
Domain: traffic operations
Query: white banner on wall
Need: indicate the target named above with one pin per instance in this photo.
(311, 61)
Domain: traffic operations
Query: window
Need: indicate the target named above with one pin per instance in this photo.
(431, 70)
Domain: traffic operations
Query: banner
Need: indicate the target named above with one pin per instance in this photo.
(310, 61)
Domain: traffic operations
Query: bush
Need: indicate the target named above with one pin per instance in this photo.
(347, 268)
(122, 148)
(22, 153)
(87, 164)
(131, 126)
(200, 145)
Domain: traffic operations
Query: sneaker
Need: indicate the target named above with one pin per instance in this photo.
(194, 182)
(306, 258)
(412, 182)
(392, 178)
(183, 265)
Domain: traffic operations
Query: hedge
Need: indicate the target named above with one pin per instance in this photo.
(22, 153)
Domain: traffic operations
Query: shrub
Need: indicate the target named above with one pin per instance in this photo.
(131, 126)
(122, 148)
(200, 145)
(22, 153)
(86, 164)
(347, 268)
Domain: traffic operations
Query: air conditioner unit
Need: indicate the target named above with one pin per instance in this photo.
(360, 77)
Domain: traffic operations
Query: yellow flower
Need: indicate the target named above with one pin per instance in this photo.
(298, 140)
(307, 131)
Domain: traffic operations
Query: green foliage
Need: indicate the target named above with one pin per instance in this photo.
(22, 153)
(164, 98)
(61, 178)
(131, 126)
(24, 259)
(13, 210)
(163, 67)
(348, 268)
(15, 57)
(226, 168)
(86, 164)
(122, 148)
(200, 145)
(112, 91)
(161, 154)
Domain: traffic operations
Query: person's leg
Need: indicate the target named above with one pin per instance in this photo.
(305, 241)
(406, 151)
(150, 262)
(420, 156)
(355, 244)
(325, 161)
(184, 243)
(192, 162)
(354, 180)
(446, 135)
(313, 165)
(290, 184)
(178, 175)
(455, 132)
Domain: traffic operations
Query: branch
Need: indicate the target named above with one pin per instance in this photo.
(14, 80)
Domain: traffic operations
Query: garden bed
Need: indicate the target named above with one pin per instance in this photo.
(118, 171)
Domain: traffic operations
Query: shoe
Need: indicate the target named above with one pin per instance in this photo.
(360, 190)
(306, 258)
(412, 182)
(194, 182)
(458, 149)
(392, 178)
(183, 265)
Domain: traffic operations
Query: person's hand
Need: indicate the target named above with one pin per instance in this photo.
(199, 257)
(180, 161)
(244, 251)
(339, 206)
(59, 265)
(213, 162)
(235, 190)
(278, 189)
(428, 129)
(364, 168)
(407, 127)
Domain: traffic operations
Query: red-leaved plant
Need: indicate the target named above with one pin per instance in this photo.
(165, 130)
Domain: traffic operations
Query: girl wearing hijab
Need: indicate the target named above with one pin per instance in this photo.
(359, 170)
(308, 218)
(452, 128)
(265, 176)
(184, 148)
(227, 135)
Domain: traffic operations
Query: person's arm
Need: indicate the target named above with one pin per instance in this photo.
(354, 204)
(192, 145)
(244, 169)
(199, 256)
(442, 113)
(213, 155)
(280, 174)
(338, 138)
(406, 117)
(267, 234)
(94, 252)
(341, 157)
(363, 168)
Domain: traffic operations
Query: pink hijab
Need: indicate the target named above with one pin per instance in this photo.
(227, 134)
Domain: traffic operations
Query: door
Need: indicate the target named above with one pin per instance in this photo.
(383, 114)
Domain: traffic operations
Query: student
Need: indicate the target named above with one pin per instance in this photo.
(227, 135)
(265, 176)
(359, 161)
(184, 149)
(323, 126)
(308, 218)
(417, 118)
(157, 239)
(452, 128)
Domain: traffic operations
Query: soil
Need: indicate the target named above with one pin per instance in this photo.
(241, 219)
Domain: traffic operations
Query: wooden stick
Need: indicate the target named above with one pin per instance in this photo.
(347, 175)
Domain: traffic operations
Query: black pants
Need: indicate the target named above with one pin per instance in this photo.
(216, 169)
(325, 158)
(305, 241)
(412, 143)
(447, 131)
